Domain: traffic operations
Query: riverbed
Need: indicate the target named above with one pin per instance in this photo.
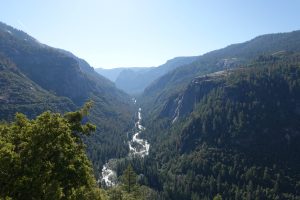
(137, 147)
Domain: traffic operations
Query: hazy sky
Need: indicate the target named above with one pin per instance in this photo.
(126, 33)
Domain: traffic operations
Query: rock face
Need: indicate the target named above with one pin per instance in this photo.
(182, 104)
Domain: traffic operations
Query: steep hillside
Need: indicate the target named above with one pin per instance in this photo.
(44, 74)
(20, 94)
(53, 69)
(230, 57)
(234, 133)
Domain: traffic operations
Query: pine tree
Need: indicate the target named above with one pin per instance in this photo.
(129, 178)
(217, 197)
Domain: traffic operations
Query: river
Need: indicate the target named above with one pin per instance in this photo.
(137, 147)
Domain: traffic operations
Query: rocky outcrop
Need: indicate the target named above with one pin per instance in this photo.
(182, 104)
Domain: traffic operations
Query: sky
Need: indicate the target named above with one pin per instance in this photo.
(144, 33)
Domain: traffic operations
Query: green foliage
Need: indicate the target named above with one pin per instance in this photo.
(75, 120)
(42, 159)
(129, 179)
(217, 197)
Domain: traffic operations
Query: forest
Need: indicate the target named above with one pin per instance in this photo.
(241, 140)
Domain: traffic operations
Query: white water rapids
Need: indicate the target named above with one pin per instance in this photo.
(137, 147)
(109, 177)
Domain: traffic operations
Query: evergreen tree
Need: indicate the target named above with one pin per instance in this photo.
(217, 197)
(43, 159)
(129, 179)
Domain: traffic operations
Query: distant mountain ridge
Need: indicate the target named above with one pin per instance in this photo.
(113, 74)
(135, 80)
